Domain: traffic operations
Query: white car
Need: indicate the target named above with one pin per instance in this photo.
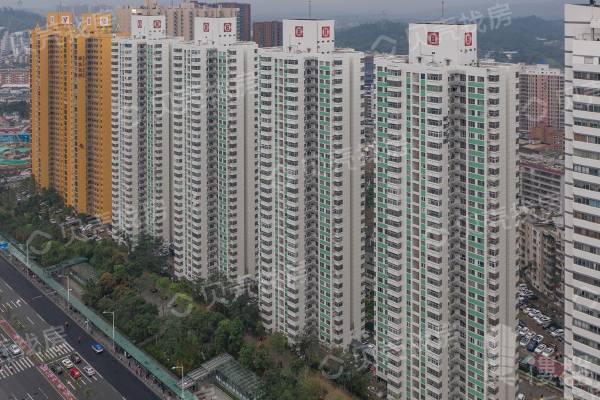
(558, 332)
(539, 338)
(89, 371)
(67, 364)
(524, 341)
(15, 350)
(540, 348)
(533, 312)
(548, 351)
(521, 396)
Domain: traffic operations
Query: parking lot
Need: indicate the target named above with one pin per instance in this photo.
(540, 338)
(37, 362)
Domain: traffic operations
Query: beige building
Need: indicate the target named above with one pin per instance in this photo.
(179, 19)
(541, 251)
(541, 99)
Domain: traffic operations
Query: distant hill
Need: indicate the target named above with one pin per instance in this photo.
(534, 39)
(18, 20)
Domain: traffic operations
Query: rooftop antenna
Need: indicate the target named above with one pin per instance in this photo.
(443, 11)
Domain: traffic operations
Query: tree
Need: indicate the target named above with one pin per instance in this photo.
(246, 356)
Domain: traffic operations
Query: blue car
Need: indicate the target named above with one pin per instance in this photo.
(98, 348)
(532, 345)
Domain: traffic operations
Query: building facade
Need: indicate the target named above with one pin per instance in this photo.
(311, 186)
(541, 244)
(541, 99)
(15, 76)
(70, 99)
(542, 177)
(213, 153)
(268, 33)
(180, 19)
(445, 231)
(141, 83)
(582, 199)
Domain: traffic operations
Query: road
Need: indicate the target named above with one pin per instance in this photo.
(120, 378)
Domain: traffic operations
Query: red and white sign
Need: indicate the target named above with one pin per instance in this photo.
(433, 38)
(157, 23)
(103, 21)
(140, 23)
(468, 39)
(326, 32)
(206, 27)
(299, 31)
(227, 27)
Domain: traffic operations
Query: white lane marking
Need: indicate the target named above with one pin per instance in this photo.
(30, 320)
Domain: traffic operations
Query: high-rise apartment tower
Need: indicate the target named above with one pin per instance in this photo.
(311, 186)
(70, 102)
(582, 202)
(445, 235)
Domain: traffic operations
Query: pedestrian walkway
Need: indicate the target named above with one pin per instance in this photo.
(55, 352)
(9, 368)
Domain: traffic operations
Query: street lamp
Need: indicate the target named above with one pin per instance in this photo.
(180, 367)
(113, 326)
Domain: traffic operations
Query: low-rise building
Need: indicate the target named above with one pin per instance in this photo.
(542, 177)
(541, 251)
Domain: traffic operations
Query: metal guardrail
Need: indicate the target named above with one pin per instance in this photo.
(151, 365)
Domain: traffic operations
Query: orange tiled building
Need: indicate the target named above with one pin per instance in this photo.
(71, 108)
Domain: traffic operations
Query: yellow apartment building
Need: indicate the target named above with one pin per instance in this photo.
(71, 109)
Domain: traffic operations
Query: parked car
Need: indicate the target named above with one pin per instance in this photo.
(89, 371)
(539, 338)
(532, 345)
(57, 369)
(541, 347)
(74, 372)
(67, 364)
(15, 350)
(548, 351)
(558, 332)
(524, 341)
(75, 358)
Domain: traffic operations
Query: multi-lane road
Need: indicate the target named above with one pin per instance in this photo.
(46, 340)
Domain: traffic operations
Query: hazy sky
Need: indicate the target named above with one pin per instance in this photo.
(389, 8)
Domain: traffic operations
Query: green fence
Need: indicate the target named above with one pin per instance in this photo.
(151, 365)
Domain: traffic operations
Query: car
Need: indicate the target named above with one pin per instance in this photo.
(56, 368)
(521, 396)
(523, 331)
(98, 348)
(5, 353)
(548, 351)
(67, 364)
(89, 371)
(75, 358)
(524, 341)
(533, 312)
(539, 338)
(74, 372)
(532, 345)
(541, 347)
(15, 350)
(557, 332)
(530, 335)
